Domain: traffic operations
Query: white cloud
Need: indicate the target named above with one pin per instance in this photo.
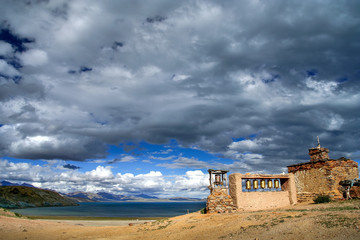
(247, 158)
(249, 145)
(34, 57)
(5, 48)
(245, 144)
(9, 166)
(123, 158)
(184, 162)
(192, 180)
(7, 69)
(179, 78)
(24, 172)
(116, 72)
(335, 122)
(163, 158)
(150, 70)
(320, 91)
(100, 173)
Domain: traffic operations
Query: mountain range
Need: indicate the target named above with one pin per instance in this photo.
(6, 183)
(25, 197)
(106, 197)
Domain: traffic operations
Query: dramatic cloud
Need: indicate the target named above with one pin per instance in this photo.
(249, 83)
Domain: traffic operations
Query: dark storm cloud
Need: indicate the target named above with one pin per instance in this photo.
(117, 45)
(276, 74)
(85, 69)
(70, 166)
(155, 19)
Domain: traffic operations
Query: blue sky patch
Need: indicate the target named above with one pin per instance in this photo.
(311, 72)
(16, 41)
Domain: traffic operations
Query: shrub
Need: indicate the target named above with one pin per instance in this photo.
(322, 199)
(18, 215)
(203, 211)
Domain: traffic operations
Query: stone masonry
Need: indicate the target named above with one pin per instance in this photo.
(355, 192)
(321, 176)
(318, 153)
(219, 201)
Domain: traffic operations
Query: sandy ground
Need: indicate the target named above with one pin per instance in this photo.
(101, 223)
(339, 220)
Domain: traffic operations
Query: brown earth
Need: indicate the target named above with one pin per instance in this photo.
(336, 220)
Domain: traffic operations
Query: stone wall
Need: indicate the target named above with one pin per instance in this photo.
(355, 192)
(306, 196)
(322, 177)
(219, 201)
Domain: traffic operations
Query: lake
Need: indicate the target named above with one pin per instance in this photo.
(117, 209)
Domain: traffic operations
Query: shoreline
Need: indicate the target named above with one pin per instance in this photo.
(86, 218)
(98, 222)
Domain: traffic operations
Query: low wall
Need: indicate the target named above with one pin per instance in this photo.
(262, 200)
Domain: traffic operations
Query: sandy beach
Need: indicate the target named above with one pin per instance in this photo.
(99, 223)
(336, 220)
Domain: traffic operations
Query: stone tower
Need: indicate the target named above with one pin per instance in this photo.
(219, 201)
(318, 153)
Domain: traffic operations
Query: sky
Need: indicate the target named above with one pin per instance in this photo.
(133, 97)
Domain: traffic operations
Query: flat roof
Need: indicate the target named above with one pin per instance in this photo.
(325, 160)
(262, 176)
(217, 171)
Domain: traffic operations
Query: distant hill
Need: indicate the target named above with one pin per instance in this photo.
(84, 195)
(145, 196)
(100, 197)
(24, 197)
(180, 199)
(6, 183)
(109, 197)
(114, 197)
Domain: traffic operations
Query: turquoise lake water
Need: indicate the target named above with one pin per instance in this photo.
(118, 209)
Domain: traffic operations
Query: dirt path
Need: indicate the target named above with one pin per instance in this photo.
(340, 220)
